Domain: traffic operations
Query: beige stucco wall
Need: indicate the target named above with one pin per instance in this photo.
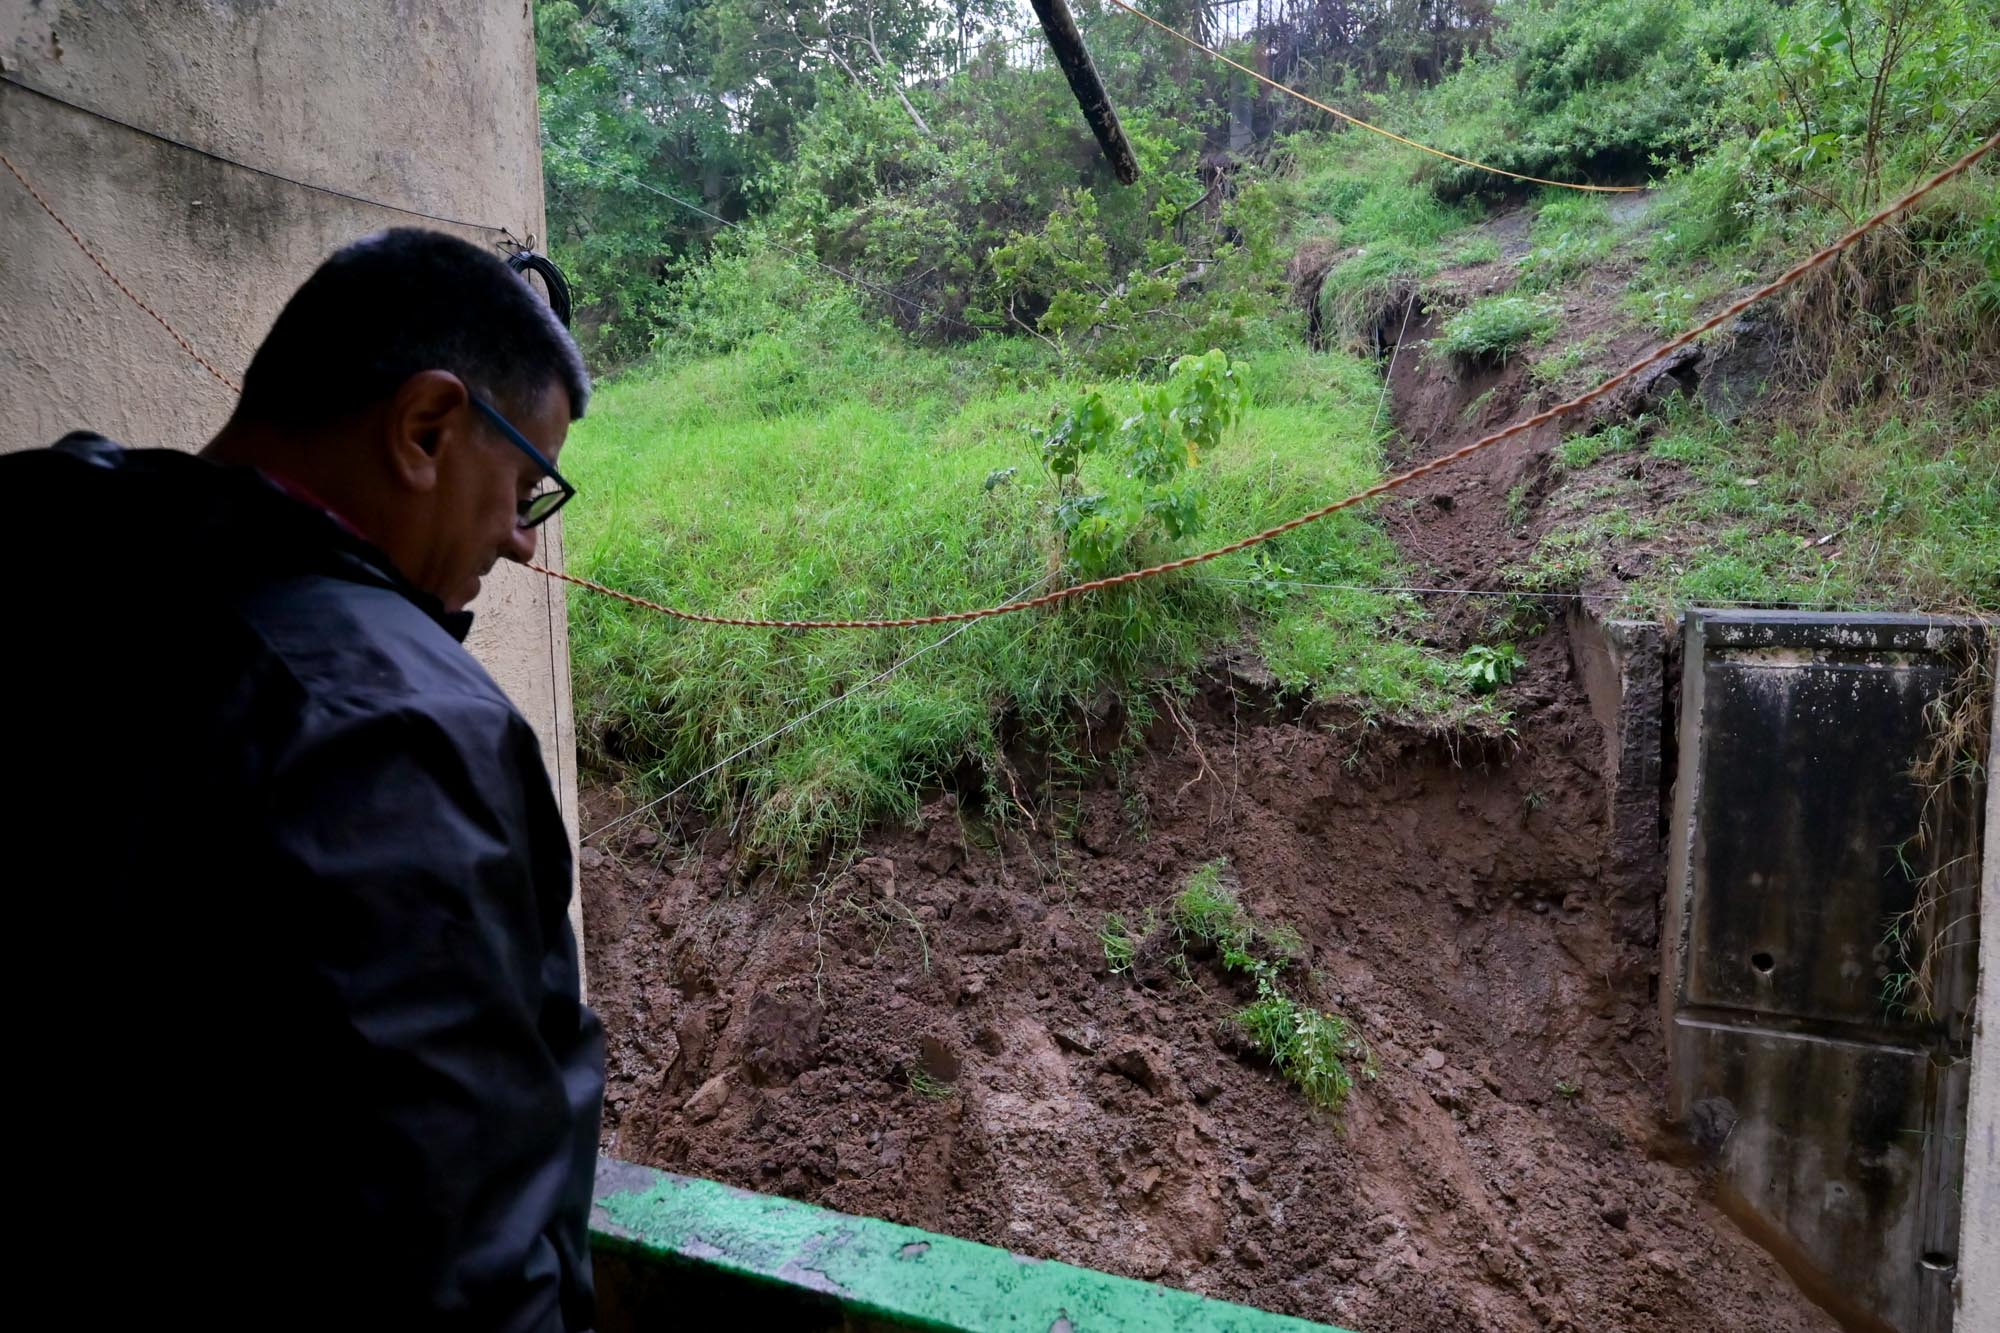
(1979, 1226)
(426, 104)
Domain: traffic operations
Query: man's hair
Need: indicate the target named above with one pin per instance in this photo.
(397, 303)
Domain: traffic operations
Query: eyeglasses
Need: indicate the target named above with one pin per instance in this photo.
(551, 493)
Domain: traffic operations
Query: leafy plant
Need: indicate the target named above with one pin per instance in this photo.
(1485, 668)
(1155, 451)
(1493, 329)
(1310, 1047)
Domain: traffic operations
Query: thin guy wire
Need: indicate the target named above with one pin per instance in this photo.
(1362, 124)
(245, 166)
(797, 722)
(105, 269)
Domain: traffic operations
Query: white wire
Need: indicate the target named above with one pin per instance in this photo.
(1390, 373)
(1578, 597)
(801, 720)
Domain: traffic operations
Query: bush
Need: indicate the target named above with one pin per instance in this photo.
(1597, 90)
(1493, 329)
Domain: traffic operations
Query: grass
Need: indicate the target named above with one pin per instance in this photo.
(930, 1087)
(1358, 189)
(1477, 250)
(1312, 1048)
(1572, 368)
(1571, 232)
(1118, 943)
(1493, 329)
(1896, 508)
(849, 477)
(1580, 451)
(1204, 914)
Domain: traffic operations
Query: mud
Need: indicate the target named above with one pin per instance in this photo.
(932, 1034)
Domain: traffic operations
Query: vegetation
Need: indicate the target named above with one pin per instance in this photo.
(1486, 668)
(1490, 330)
(843, 472)
(1314, 1049)
(1018, 374)
(1310, 1047)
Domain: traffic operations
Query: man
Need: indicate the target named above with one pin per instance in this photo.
(296, 997)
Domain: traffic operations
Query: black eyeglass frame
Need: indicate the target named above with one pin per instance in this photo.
(529, 515)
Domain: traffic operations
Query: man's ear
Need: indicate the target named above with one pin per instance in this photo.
(425, 419)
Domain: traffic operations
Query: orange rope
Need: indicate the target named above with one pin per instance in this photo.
(91, 255)
(1358, 123)
(1778, 284)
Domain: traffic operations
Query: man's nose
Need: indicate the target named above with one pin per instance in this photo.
(520, 546)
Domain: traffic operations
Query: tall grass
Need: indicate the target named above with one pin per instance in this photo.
(858, 476)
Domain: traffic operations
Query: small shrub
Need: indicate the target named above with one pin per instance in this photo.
(1493, 329)
(1310, 1047)
(1485, 668)
(1155, 449)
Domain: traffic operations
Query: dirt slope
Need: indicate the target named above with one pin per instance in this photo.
(932, 1034)
(1504, 1171)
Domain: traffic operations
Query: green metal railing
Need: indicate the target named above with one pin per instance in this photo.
(674, 1252)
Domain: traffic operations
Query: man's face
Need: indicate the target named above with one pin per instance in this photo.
(479, 493)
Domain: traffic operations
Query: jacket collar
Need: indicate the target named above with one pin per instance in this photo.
(374, 564)
(227, 517)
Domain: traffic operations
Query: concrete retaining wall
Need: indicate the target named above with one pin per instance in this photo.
(1834, 1109)
(1979, 1234)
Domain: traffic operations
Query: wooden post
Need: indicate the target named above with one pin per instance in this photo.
(1067, 43)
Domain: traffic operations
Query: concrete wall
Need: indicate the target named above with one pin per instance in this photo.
(1979, 1236)
(1837, 1121)
(428, 105)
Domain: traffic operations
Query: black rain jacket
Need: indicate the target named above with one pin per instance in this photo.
(294, 993)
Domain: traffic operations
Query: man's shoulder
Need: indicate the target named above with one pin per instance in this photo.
(365, 645)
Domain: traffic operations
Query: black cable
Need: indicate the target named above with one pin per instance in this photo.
(531, 261)
(245, 166)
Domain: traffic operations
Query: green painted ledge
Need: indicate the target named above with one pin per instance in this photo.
(669, 1248)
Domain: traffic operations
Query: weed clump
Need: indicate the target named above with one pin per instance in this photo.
(1491, 330)
(1310, 1047)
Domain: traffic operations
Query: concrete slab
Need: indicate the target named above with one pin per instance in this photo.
(1834, 1107)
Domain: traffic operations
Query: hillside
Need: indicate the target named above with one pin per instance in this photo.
(1001, 928)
